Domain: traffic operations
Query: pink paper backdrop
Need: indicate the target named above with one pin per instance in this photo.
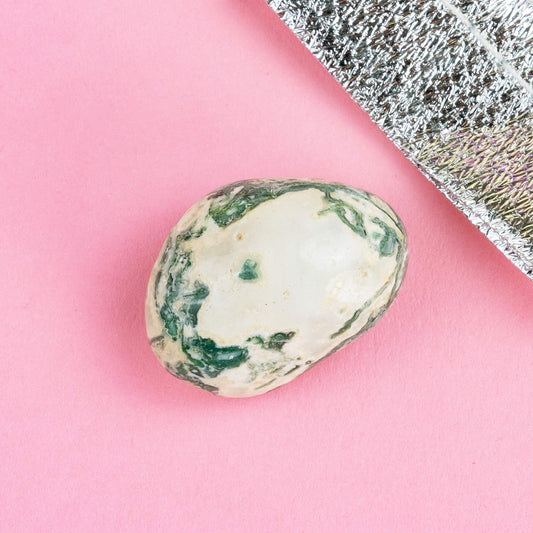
(115, 116)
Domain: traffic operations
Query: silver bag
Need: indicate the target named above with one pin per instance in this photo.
(450, 83)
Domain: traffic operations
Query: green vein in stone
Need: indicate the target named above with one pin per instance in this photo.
(348, 324)
(190, 233)
(292, 370)
(388, 241)
(274, 342)
(346, 213)
(192, 301)
(206, 357)
(265, 384)
(235, 201)
(249, 270)
(374, 317)
(232, 203)
(186, 372)
(211, 358)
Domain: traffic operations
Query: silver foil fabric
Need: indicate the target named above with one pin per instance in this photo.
(451, 84)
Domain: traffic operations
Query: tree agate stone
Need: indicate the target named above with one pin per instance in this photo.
(262, 279)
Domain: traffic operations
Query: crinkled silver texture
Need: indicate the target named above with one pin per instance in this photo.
(451, 83)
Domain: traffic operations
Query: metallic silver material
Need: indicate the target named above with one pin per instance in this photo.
(451, 84)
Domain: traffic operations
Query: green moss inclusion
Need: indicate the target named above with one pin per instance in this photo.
(233, 202)
(178, 309)
(274, 342)
(249, 270)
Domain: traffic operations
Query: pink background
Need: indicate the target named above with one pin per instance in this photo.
(115, 116)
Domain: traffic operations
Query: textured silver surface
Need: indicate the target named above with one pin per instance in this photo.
(451, 84)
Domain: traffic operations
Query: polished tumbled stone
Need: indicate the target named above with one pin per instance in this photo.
(262, 279)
